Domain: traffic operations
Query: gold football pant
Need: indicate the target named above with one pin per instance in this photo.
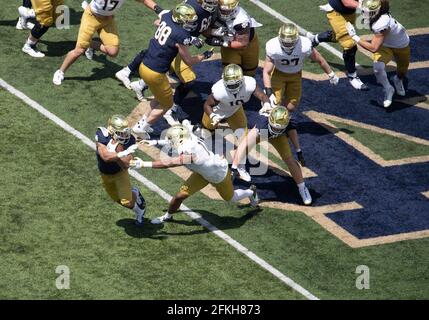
(247, 58)
(159, 85)
(281, 144)
(287, 87)
(236, 121)
(105, 26)
(338, 24)
(182, 70)
(118, 187)
(401, 56)
(196, 182)
(46, 11)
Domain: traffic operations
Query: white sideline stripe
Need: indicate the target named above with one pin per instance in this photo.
(303, 31)
(153, 187)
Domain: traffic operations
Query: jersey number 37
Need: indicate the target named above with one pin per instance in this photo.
(162, 33)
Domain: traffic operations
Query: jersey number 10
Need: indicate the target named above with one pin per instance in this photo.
(162, 33)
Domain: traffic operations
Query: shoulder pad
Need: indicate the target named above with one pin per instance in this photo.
(104, 131)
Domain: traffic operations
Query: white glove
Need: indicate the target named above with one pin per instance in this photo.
(273, 100)
(266, 108)
(130, 150)
(352, 32)
(333, 78)
(360, 4)
(215, 119)
(219, 32)
(136, 163)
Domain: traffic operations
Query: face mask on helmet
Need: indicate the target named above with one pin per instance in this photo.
(288, 37)
(209, 5)
(227, 9)
(190, 26)
(233, 86)
(119, 129)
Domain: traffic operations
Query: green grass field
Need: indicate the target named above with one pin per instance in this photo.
(54, 210)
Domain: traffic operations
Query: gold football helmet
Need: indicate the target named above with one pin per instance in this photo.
(288, 37)
(119, 128)
(228, 8)
(233, 78)
(185, 15)
(370, 8)
(208, 5)
(278, 120)
(177, 135)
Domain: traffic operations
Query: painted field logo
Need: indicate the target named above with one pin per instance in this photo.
(362, 281)
(63, 280)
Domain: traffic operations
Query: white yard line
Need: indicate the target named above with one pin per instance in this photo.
(303, 31)
(153, 187)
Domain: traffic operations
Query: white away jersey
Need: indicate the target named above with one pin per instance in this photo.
(289, 63)
(106, 7)
(397, 36)
(229, 103)
(212, 167)
(241, 21)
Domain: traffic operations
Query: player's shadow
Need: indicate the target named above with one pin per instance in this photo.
(9, 23)
(147, 230)
(220, 222)
(57, 48)
(108, 71)
(414, 97)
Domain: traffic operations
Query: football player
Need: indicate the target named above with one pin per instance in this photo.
(227, 99)
(46, 14)
(115, 146)
(285, 56)
(207, 168)
(339, 12)
(275, 126)
(98, 17)
(172, 37)
(206, 12)
(25, 12)
(237, 36)
(390, 41)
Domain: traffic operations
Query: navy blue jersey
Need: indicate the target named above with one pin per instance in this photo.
(261, 123)
(162, 47)
(338, 6)
(205, 18)
(103, 137)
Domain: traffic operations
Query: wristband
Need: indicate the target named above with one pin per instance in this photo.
(331, 75)
(268, 91)
(356, 38)
(157, 9)
(147, 164)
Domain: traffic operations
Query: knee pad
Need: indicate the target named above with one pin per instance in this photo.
(38, 30)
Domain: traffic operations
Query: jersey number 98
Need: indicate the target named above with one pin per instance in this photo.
(162, 33)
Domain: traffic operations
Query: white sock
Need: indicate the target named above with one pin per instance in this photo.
(353, 75)
(30, 42)
(167, 215)
(241, 194)
(316, 38)
(136, 195)
(301, 186)
(127, 70)
(142, 84)
(381, 75)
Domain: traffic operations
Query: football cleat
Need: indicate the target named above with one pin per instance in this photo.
(357, 83)
(32, 51)
(162, 219)
(243, 174)
(305, 195)
(399, 86)
(123, 75)
(141, 132)
(171, 117)
(300, 158)
(23, 24)
(139, 87)
(89, 53)
(313, 38)
(141, 203)
(254, 199)
(388, 96)
(58, 77)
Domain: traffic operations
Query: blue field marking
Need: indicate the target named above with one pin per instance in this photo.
(390, 196)
(419, 47)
